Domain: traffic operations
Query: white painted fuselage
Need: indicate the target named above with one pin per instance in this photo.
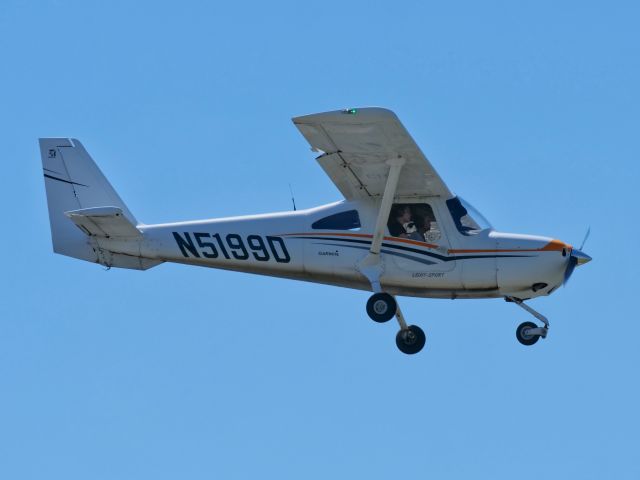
(488, 264)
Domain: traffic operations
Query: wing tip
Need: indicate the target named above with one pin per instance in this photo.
(346, 114)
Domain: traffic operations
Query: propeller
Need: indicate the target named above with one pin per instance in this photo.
(577, 257)
(573, 261)
(584, 240)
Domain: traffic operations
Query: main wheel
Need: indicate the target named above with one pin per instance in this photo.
(411, 340)
(524, 338)
(381, 307)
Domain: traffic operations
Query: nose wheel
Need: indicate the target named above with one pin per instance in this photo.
(528, 333)
(382, 307)
(524, 333)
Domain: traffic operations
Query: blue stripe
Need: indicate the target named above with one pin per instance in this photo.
(413, 250)
(388, 252)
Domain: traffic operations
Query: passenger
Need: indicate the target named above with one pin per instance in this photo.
(424, 221)
(402, 225)
(422, 224)
(430, 230)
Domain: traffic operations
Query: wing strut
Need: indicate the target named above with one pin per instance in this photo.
(387, 199)
(371, 266)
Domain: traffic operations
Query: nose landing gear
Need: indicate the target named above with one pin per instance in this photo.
(529, 333)
(525, 333)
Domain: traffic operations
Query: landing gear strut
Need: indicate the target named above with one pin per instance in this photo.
(382, 307)
(529, 333)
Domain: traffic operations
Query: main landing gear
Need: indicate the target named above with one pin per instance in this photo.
(382, 307)
(529, 333)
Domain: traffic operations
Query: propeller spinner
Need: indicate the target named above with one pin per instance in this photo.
(577, 258)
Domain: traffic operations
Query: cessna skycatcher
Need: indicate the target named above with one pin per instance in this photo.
(399, 230)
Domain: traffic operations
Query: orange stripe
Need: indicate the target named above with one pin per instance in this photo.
(552, 246)
(555, 246)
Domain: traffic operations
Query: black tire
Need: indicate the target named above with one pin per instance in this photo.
(526, 339)
(411, 340)
(381, 307)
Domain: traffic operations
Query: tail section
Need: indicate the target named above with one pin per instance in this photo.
(85, 212)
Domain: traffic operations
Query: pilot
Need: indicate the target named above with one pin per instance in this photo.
(400, 215)
(401, 223)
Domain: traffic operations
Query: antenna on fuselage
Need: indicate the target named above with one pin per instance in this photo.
(293, 200)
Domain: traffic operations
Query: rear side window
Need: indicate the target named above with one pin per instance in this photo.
(349, 220)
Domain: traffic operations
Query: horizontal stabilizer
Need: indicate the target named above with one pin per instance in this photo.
(105, 222)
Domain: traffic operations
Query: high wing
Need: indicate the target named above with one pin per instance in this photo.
(355, 146)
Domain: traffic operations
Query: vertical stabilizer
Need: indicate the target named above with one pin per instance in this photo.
(74, 182)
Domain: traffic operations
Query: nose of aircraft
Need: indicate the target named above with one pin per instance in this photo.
(581, 257)
(577, 258)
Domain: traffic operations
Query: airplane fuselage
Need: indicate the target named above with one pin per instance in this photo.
(489, 264)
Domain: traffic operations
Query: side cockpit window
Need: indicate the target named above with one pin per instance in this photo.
(349, 220)
(415, 221)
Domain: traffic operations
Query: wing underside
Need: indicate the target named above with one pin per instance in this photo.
(355, 146)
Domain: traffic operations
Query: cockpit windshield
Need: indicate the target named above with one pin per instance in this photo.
(467, 219)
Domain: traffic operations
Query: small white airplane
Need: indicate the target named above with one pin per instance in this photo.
(399, 231)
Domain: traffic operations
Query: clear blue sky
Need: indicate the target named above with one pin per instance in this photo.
(529, 111)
